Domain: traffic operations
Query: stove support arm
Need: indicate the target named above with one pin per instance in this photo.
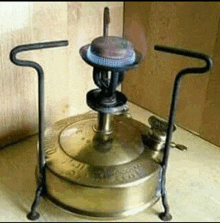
(166, 216)
(33, 215)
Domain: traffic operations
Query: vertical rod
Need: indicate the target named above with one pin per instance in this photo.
(104, 122)
(114, 82)
(41, 160)
(166, 215)
(106, 21)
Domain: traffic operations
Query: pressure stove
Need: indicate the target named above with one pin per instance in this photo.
(105, 164)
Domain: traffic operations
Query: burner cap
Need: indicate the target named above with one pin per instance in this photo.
(111, 52)
(112, 47)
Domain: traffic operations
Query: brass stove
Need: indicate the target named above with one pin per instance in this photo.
(105, 163)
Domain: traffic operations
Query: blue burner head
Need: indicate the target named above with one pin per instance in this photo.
(111, 53)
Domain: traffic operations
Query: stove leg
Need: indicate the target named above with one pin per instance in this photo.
(165, 216)
(33, 214)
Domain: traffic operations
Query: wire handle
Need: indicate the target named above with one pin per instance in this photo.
(40, 72)
(187, 53)
(192, 70)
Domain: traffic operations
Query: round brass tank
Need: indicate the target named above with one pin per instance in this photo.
(100, 175)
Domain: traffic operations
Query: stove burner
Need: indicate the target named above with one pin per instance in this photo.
(104, 61)
(110, 52)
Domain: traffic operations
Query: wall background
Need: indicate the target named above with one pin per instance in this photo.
(189, 25)
(67, 76)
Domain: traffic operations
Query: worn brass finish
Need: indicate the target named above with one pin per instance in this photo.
(100, 175)
(103, 201)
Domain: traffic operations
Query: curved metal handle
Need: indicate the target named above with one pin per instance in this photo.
(34, 46)
(191, 54)
(181, 73)
(38, 68)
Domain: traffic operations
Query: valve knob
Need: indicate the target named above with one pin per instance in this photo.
(158, 133)
(158, 124)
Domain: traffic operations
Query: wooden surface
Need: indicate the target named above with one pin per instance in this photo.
(188, 25)
(67, 76)
(192, 183)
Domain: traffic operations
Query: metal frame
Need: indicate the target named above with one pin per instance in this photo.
(166, 216)
(33, 215)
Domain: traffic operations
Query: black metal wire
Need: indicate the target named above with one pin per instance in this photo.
(107, 85)
(40, 72)
(182, 73)
(114, 82)
(33, 215)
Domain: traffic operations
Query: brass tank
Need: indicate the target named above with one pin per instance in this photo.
(100, 175)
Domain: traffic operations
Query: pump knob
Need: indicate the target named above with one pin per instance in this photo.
(158, 134)
(159, 124)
